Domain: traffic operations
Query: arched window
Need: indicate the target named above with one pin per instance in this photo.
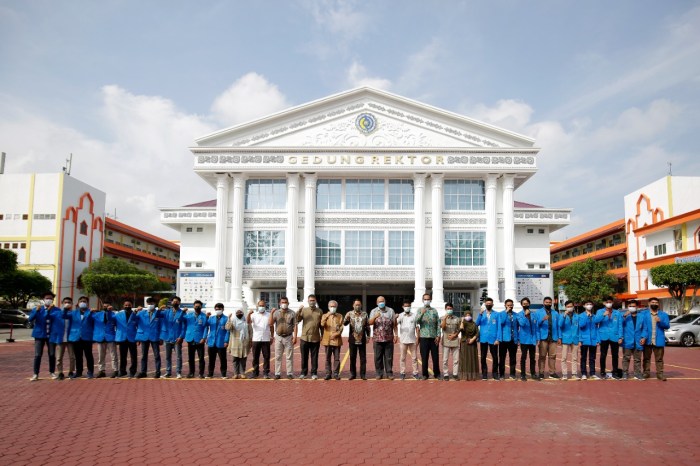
(84, 228)
(82, 255)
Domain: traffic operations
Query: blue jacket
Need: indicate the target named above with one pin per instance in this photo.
(507, 328)
(632, 334)
(173, 326)
(126, 330)
(194, 326)
(148, 326)
(609, 328)
(38, 315)
(105, 329)
(588, 330)
(659, 328)
(527, 329)
(81, 325)
(543, 325)
(59, 325)
(488, 327)
(216, 333)
(568, 329)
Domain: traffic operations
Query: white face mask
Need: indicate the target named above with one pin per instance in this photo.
(219, 312)
(569, 310)
(48, 302)
(66, 306)
(407, 310)
(426, 303)
(332, 310)
(608, 305)
(589, 307)
(151, 307)
(261, 308)
(82, 305)
(633, 309)
(468, 318)
(312, 304)
(449, 312)
(284, 306)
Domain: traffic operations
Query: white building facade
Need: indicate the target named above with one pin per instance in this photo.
(361, 194)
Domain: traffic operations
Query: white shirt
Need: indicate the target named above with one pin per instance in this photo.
(407, 327)
(261, 325)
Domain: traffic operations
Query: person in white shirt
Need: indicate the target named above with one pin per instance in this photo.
(408, 336)
(259, 318)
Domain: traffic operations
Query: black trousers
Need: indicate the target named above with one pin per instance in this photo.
(213, 353)
(614, 354)
(428, 347)
(354, 351)
(588, 352)
(309, 348)
(525, 351)
(83, 348)
(511, 348)
(124, 347)
(333, 351)
(384, 358)
(199, 349)
(264, 347)
(39, 344)
(145, 345)
(493, 349)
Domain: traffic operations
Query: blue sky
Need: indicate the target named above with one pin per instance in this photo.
(609, 90)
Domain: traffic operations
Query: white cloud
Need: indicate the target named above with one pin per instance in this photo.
(357, 76)
(509, 114)
(338, 17)
(422, 70)
(250, 97)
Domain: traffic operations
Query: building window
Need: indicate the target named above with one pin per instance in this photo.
(364, 194)
(660, 249)
(400, 194)
(464, 195)
(541, 231)
(188, 229)
(543, 266)
(364, 247)
(198, 264)
(44, 216)
(400, 248)
(82, 255)
(328, 194)
(188, 264)
(327, 247)
(263, 247)
(530, 231)
(265, 194)
(199, 230)
(23, 246)
(678, 240)
(271, 298)
(109, 233)
(466, 248)
(530, 266)
(15, 245)
(2, 217)
(83, 228)
(25, 217)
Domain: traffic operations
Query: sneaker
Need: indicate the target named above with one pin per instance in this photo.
(624, 376)
(523, 378)
(390, 377)
(541, 376)
(483, 377)
(402, 376)
(140, 375)
(364, 377)
(90, 376)
(242, 376)
(302, 376)
(113, 376)
(168, 375)
(554, 376)
(267, 376)
(208, 376)
(61, 376)
(337, 377)
(446, 378)
(661, 377)
(416, 376)
(34, 378)
(639, 377)
(277, 377)
(583, 377)
(156, 376)
(594, 377)
(224, 377)
(512, 377)
(314, 377)
(290, 377)
(328, 377)
(71, 375)
(178, 376)
(101, 374)
(647, 376)
(201, 376)
(54, 376)
(190, 376)
(608, 376)
(379, 377)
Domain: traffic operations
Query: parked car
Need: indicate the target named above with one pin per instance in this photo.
(684, 330)
(15, 316)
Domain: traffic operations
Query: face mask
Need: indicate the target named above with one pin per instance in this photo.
(332, 310)
(66, 306)
(489, 307)
(261, 309)
(526, 306)
(219, 312)
(449, 312)
(608, 305)
(548, 306)
(284, 306)
(589, 307)
(569, 310)
(312, 304)
(82, 305)
(176, 305)
(426, 303)
(468, 318)
(127, 308)
(240, 316)
(407, 310)
(357, 308)
(198, 308)
(633, 309)
(151, 307)
(654, 307)
(381, 305)
(48, 302)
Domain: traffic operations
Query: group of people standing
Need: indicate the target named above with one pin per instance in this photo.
(498, 333)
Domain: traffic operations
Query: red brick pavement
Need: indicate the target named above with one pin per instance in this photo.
(169, 421)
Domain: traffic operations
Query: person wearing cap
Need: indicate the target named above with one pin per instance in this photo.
(654, 343)
(568, 330)
(217, 340)
(549, 338)
(240, 343)
(194, 324)
(384, 335)
(588, 340)
(148, 327)
(104, 334)
(408, 338)
(507, 340)
(634, 329)
(41, 317)
(310, 319)
(82, 326)
(259, 318)
(283, 326)
(332, 339)
(609, 323)
(528, 336)
(488, 322)
(357, 320)
(125, 337)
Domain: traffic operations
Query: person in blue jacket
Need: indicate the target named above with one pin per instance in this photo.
(568, 330)
(194, 324)
(609, 323)
(507, 339)
(634, 330)
(173, 334)
(527, 335)
(81, 334)
(217, 340)
(104, 334)
(148, 326)
(58, 336)
(656, 321)
(549, 339)
(40, 317)
(588, 340)
(125, 336)
(488, 322)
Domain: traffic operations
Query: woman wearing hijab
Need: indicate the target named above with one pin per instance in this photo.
(240, 342)
(468, 351)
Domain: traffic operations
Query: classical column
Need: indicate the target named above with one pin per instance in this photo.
(438, 251)
(290, 243)
(237, 240)
(309, 234)
(508, 237)
(491, 238)
(222, 182)
(419, 237)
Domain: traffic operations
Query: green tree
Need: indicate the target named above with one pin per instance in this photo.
(8, 261)
(19, 286)
(677, 278)
(113, 279)
(586, 280)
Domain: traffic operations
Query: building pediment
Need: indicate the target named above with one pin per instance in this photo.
(365, 117)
